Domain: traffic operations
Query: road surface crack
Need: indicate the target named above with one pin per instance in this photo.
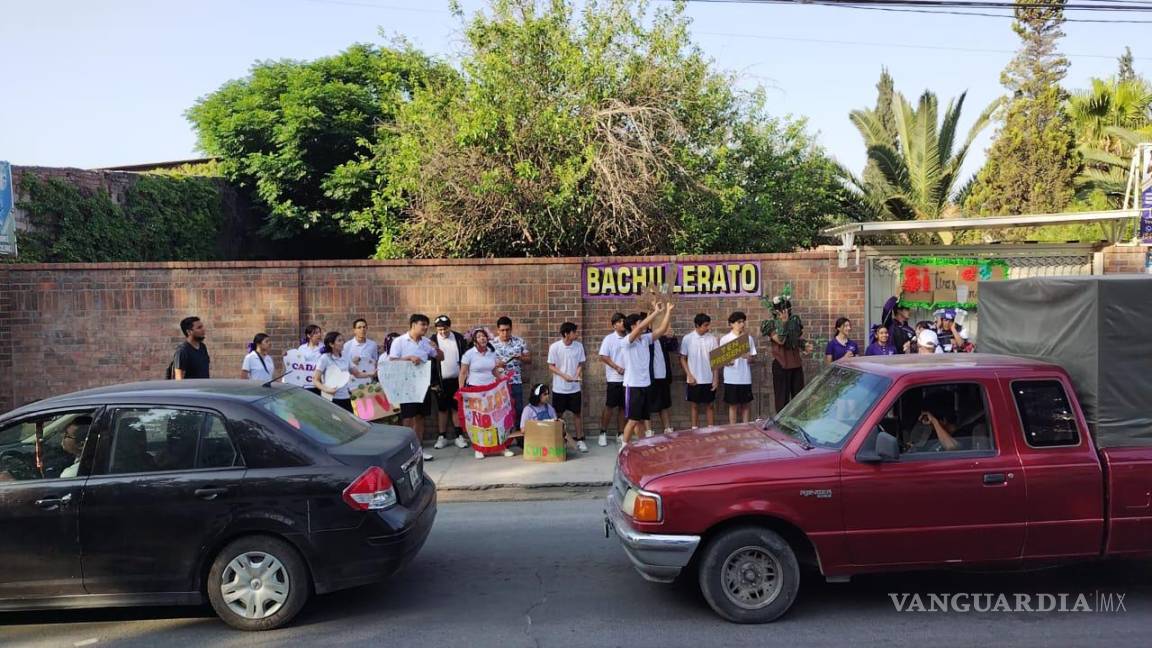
(539, 602)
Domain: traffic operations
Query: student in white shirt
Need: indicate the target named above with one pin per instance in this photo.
(703, 381)
(638, 368)
(363, 355)
(415, 348)
(738, 373)
(566, 363)
(481, 366)
(258, 364)
(332, 355)
(310, 349)
(611, 355)
(446, 381)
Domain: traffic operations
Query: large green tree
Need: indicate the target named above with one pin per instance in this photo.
(598, 130)
(1110, 119)
(286, 130)
(1033, 163)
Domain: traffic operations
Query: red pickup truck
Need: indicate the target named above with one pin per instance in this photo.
(883, 464)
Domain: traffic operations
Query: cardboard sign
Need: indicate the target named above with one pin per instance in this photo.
(929, 283)
(544, 442)
(370, 403)
(487, 415)
(403, 381)
(730, 351)
(299, 371)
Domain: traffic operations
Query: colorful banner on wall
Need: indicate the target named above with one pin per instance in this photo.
(689, 279)
(941, 282)
(486, 413)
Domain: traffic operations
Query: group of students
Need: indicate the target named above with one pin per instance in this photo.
(895, 335)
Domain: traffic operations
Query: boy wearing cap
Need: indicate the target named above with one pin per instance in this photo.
(945, 319)
(446, 381)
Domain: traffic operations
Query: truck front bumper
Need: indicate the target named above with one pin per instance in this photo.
(658, 558)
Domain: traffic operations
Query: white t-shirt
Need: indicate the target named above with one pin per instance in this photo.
(613, 347)
(404, 346)
(566, 358)
(310, 354)
(659, 367)
(362, 356)
(637, 361)
(480, 366)
(256, 369)
(696, 348)
(450, 365)
(328, 360)
(740, 373)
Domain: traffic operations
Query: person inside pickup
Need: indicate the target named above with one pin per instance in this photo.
(941, 418)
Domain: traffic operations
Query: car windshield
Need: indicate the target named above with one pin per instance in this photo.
(317, 418)
(831, 406)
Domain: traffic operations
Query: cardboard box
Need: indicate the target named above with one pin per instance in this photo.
(544, 441)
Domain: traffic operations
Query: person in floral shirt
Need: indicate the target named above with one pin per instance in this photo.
(514, 352)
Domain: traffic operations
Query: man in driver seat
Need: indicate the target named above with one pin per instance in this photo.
(933, 431)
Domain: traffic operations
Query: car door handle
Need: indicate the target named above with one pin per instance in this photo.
(53, 503)
(210, 493)
(993, 479)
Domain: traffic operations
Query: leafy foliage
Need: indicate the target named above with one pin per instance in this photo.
(1110, 119)
(162, 219)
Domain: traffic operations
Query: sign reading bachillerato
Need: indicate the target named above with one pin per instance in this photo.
(688, 279)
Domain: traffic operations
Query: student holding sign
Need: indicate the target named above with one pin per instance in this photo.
(334, 383)
(415, 348)
(309, 350)
(738, 373)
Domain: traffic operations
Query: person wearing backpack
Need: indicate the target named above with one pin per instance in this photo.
(191, 360)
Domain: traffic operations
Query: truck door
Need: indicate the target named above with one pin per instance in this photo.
(955, 495)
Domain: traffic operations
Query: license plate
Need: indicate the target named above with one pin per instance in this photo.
(414, 475)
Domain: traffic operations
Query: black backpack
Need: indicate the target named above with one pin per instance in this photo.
(170, 373)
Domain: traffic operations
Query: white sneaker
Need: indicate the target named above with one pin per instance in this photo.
(441, 443)
(428, 457)
(461, 442)
(668, 430)
(509, 453)
(648, 434)
(581, 446)
(602, 441)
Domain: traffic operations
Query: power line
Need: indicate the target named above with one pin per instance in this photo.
(942, 7)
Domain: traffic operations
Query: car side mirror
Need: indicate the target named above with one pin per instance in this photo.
(886, 449)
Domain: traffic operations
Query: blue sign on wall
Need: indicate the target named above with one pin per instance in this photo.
(7, 218)
(1146, 214)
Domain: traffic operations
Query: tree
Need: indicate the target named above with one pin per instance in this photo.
(1110, 119)
(884, 120)
(1033, 162)
(918, 170)
(1127, 70)
(602, 130)
(286, 130)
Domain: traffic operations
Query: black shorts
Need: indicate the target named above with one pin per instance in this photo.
(567, 403)
(614, 395)
(446, 396)
(700, 394)
(737, 394)
(660, 395)
(636, 404)
(412, 410)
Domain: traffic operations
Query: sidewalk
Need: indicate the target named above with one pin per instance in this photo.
(455, 469)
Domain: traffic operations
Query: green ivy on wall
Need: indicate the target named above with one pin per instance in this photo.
(163, 218)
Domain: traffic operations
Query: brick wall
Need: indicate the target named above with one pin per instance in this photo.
(71, 326)
(1124, 259)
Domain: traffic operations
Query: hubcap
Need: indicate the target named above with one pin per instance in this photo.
(255, 585)
(751, 577)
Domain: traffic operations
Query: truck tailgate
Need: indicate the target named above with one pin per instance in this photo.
(1128, 474)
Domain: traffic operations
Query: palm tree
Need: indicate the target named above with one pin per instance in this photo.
(1110, 120)
(920, 168)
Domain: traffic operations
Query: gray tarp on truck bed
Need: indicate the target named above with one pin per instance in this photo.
(1098, 328)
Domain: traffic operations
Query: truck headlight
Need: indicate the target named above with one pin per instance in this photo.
(642, 506)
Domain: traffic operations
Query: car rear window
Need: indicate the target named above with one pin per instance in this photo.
(315, 417)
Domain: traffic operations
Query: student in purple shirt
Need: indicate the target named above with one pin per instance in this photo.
(840, 346)
(881, 343)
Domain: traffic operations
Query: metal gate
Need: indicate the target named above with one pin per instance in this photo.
(882, 279)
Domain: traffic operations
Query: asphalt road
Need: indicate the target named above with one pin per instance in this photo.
(541, 574)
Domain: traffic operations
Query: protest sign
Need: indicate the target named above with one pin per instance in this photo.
(730, 351)
(370, 403)
(941, 282)
(486, 413)
(405, 382)
(544, 441)
(299, 371)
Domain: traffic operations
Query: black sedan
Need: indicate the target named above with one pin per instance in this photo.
(249, 496)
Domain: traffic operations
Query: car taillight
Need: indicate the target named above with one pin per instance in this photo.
(371, 491)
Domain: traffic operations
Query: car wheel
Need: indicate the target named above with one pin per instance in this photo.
(258, 583)
(749, 575)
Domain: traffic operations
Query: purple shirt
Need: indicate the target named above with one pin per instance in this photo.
(837, 350)
(876, 349)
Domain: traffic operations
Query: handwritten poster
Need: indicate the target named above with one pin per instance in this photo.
(729, 351)
(943, 282)
(487, 415)
(299, 371)
(404, 382)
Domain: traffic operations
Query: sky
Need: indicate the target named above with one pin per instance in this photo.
(96, 84)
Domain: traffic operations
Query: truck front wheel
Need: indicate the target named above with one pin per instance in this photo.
(749, 575)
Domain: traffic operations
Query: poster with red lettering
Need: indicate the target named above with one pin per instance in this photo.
(486, 413)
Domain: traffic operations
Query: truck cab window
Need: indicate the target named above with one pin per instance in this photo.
(940, 419)
(1045, 415)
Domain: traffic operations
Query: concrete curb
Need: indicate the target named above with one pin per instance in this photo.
(486, 487)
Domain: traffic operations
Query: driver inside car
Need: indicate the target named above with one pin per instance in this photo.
(933, 431)
(72, 442)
